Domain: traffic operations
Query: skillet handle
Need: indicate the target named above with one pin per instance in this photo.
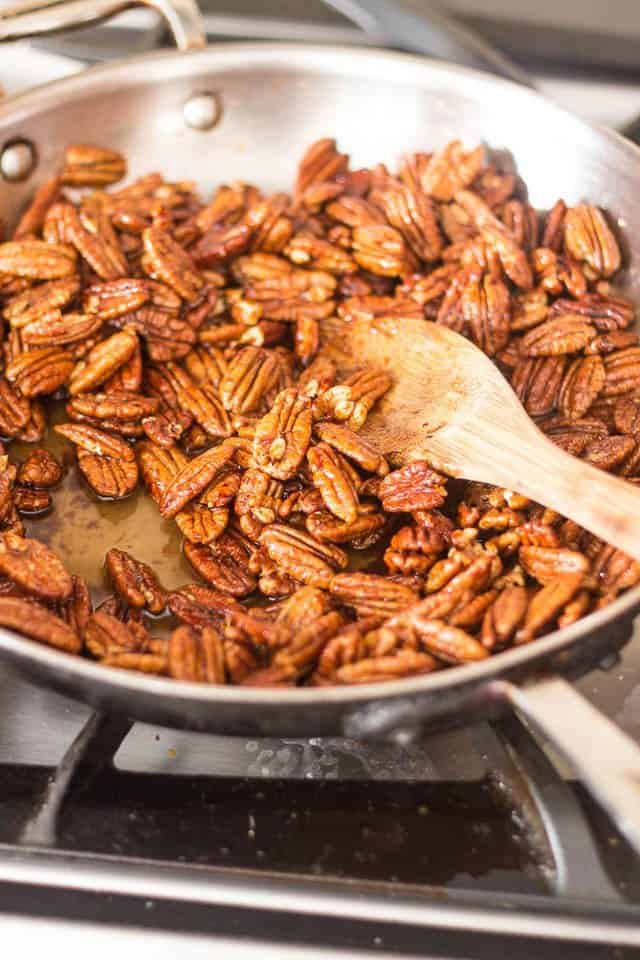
(605, 758)
(415, 25)
(30, 18)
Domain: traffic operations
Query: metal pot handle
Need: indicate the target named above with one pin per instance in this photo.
(33, 17)
(603, 756)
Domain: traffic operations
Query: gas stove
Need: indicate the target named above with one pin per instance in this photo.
(473, 842)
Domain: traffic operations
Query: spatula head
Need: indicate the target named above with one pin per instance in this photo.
(440, 381)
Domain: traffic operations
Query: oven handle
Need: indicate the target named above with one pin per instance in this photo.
(30, 18)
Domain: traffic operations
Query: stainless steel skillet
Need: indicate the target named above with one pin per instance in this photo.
(271, 101)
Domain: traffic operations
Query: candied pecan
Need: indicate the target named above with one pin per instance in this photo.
(109, 478)
(608, 342)
(547, 604)
(37, 260)
(223, 565)
(537, 382)
(359, 533)
(626, 415)
(413, 487)
(381, 250)
(40, 469)
(135, 582)
(546, 564)
(565, 334)
(606, 313)
(302, 556)
(96, 441)
(192, 479)
(580, 387)
(301, 653)
(40, 371)
(405, 663)
(251, 375)
(30, 502)
(528, 309)
(86, 165)
(504, 616)
(60, 330)
(98, 247)
(41, 301)
(622, 369)
(206, 366)
(588, 237)
(371, 595)
(128, 377)
(485, 306)
(32, 220)
(321, 163)
(159, 465)
(34, 567)
(498, 238)
(166, 428)
(351, 400)
(413, 213)
(114, 298)
(102, 362)
(446, 171)
(331, 477)
(306, 249)
(201, 606)
(197, 656)
(107, 462)
(614, 570)
(113, 407)
(171, 264)
(106, 635)
(348, 443)
(447, 643)
(29, 618)
(201, 402)
(15, 410)
(282, 436)
(153, 663)
(607, 453)
(200, 523)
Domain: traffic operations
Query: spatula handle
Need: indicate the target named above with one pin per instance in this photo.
(528, 462)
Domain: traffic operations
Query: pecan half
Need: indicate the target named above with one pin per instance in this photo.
(371, 595)
(135, 582)
(282, 436)
(171, 264)
(86, 165)
(102, 362)
(40, 371)
(587, 237)
(192, 479)
(303, 557)
(38, 623)
(40, 469)
(197, 656)
(414, 487)
(580, 387)
(37, 260)
(34, 567)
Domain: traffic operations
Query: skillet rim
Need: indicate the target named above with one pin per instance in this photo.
(350, 62)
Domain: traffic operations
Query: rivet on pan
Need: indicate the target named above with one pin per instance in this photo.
(202, 111)
(17, 160)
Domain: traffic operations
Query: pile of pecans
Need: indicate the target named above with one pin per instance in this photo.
(184, 338)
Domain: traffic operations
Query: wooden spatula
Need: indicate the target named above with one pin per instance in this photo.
(451, 406)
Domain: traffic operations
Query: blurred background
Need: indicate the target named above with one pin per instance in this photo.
(584, 53)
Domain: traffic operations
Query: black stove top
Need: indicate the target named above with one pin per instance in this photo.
(467, 842)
